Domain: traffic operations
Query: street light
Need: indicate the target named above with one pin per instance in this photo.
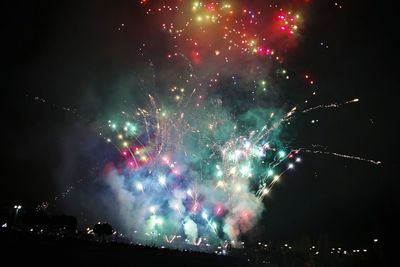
(17, 208)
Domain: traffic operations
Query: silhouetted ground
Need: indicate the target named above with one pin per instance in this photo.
(19, 247)
(58, 249)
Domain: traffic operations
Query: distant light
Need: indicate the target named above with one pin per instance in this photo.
(376, 240)
(291, 166)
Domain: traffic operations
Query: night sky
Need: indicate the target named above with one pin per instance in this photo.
(72, 54)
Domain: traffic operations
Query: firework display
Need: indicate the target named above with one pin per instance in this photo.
(199, 154)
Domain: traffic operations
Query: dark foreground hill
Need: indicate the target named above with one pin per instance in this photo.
(19, 247)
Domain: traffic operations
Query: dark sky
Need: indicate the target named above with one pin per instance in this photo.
(70, 53)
